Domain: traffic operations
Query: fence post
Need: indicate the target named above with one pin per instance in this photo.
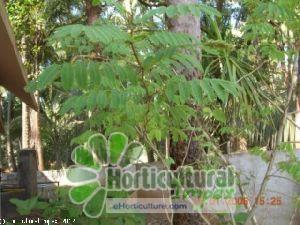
(28, 172)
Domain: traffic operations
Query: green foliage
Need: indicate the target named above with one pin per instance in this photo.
(127, 73)
(78, 38)
(61, 208)
(292, 168)
(292, 165)
(297, 202)
(96, 2)
(141, 88)
(241, 218)
(25, 207)
(288, 148)
(263, 154)
(82, 138)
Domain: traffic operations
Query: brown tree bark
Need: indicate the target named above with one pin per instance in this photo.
(35, 127)
(4, 2)
(186, 24)
(186, 152)
(220, 6)
(297, 116)
(35, 134)
(92, 12)
(25, 126)
(9, 150)
(189, 25)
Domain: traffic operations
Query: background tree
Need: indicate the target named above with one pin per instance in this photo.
(9, 151)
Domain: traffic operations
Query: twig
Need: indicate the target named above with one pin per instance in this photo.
(280, 110)
(152, 4)
(248, 74)
(247, 206)
(286, 178)
(188, 147)
(136, 55)
(95, 57)
(227, 163)
(167, 147)
(273, 154)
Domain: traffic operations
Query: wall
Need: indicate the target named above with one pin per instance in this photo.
(279, 186)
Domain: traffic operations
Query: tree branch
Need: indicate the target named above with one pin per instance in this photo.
(152, 4)
(273, 154)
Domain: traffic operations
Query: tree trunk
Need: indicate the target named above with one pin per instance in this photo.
(189, 25)
(25, 126)
(9, 150)
(183, 152)
(4, 2)
(185, 24)
(35, 134)
(297, 116)
(92, 12)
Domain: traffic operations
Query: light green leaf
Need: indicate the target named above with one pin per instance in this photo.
(219, 115)
(79, 194)
(117, 143)
(67, 76)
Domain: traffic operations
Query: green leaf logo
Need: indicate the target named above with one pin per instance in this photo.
(88, 176)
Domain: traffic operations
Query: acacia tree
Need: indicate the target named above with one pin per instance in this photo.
(9, 150)
(127, 80)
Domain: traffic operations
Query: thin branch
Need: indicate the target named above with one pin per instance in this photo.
(241, 189)
(152, 4)
(188, 147)
(273, 154)
(92, 56)
(227, 163)
(280, 110)
(252, 72)
(136, 56)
